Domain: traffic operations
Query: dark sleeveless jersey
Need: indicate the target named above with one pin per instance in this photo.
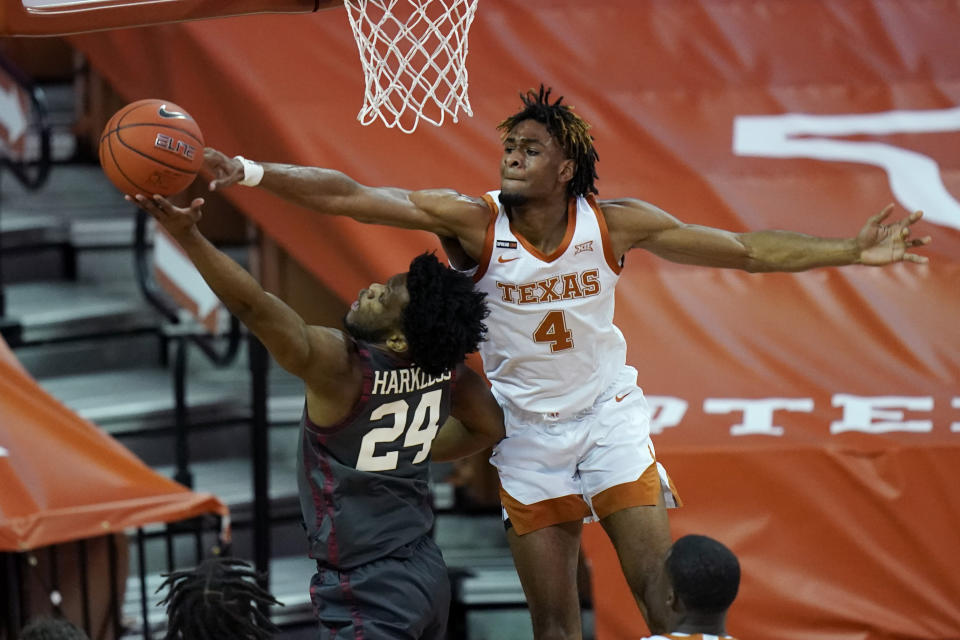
(365, 483)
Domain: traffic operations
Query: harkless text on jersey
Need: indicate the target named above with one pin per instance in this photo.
(404, 380)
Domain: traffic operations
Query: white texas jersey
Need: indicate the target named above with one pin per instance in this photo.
(551, 346)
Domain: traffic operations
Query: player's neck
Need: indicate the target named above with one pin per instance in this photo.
(712, 623)
(542, 223)
(399, 356)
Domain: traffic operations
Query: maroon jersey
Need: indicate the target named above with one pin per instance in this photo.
(365, 482)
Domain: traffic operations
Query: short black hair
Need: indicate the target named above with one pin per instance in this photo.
(567, 128)
(443, 322)
(52, 628)
(220, 598)
(704, 573)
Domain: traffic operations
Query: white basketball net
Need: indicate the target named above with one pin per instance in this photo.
(414, 55)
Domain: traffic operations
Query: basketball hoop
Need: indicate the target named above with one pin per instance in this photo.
(414, 56)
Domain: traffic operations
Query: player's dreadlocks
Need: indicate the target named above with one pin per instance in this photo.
(218, 599)
(567, 128)
(443, 321)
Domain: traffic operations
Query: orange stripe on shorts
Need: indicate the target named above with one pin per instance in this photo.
(539, 515)
(644, 491)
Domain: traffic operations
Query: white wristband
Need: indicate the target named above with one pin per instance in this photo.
(252, 172)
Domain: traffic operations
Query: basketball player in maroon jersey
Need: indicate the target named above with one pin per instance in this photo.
(520, 241)
(378, 398)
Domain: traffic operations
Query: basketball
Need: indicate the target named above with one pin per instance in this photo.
(151, 146)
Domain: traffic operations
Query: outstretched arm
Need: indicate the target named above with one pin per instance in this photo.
(637, 224)
(318, 355)
(441, 211)
(476, 419)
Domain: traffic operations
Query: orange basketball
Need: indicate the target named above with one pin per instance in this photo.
(151, 146)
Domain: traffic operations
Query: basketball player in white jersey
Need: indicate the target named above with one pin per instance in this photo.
(549, 254)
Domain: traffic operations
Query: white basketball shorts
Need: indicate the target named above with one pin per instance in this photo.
(557, 469)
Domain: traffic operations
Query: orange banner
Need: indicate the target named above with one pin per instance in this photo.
(811, 421)
(64, 479)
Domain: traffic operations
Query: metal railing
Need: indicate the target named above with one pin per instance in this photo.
(88, 582)
(29, 157)
(25, 153)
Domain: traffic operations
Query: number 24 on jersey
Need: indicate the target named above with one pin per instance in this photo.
(420, 433)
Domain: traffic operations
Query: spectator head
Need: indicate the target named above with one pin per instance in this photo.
(703, 576)
(52, 628)
(220, 598)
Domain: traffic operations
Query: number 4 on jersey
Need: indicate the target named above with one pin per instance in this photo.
(553, 331)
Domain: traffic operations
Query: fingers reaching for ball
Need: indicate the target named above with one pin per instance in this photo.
(176, 220)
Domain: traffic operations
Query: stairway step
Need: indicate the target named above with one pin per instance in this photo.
(82, 356)
(23, 231)
(88, 233)
(71, 191)
(124, 402)
(49, 311)
(51, 247)
(230, 480)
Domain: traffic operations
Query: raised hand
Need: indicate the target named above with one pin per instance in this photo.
(223, 170)
(178, 221)
(882, 244)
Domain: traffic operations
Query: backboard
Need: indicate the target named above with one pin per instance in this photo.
(64, 17)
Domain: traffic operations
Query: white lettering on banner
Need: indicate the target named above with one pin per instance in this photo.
(914, 178)
(882, 414)
(873, 414)
(757, 413)
(665, 411)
